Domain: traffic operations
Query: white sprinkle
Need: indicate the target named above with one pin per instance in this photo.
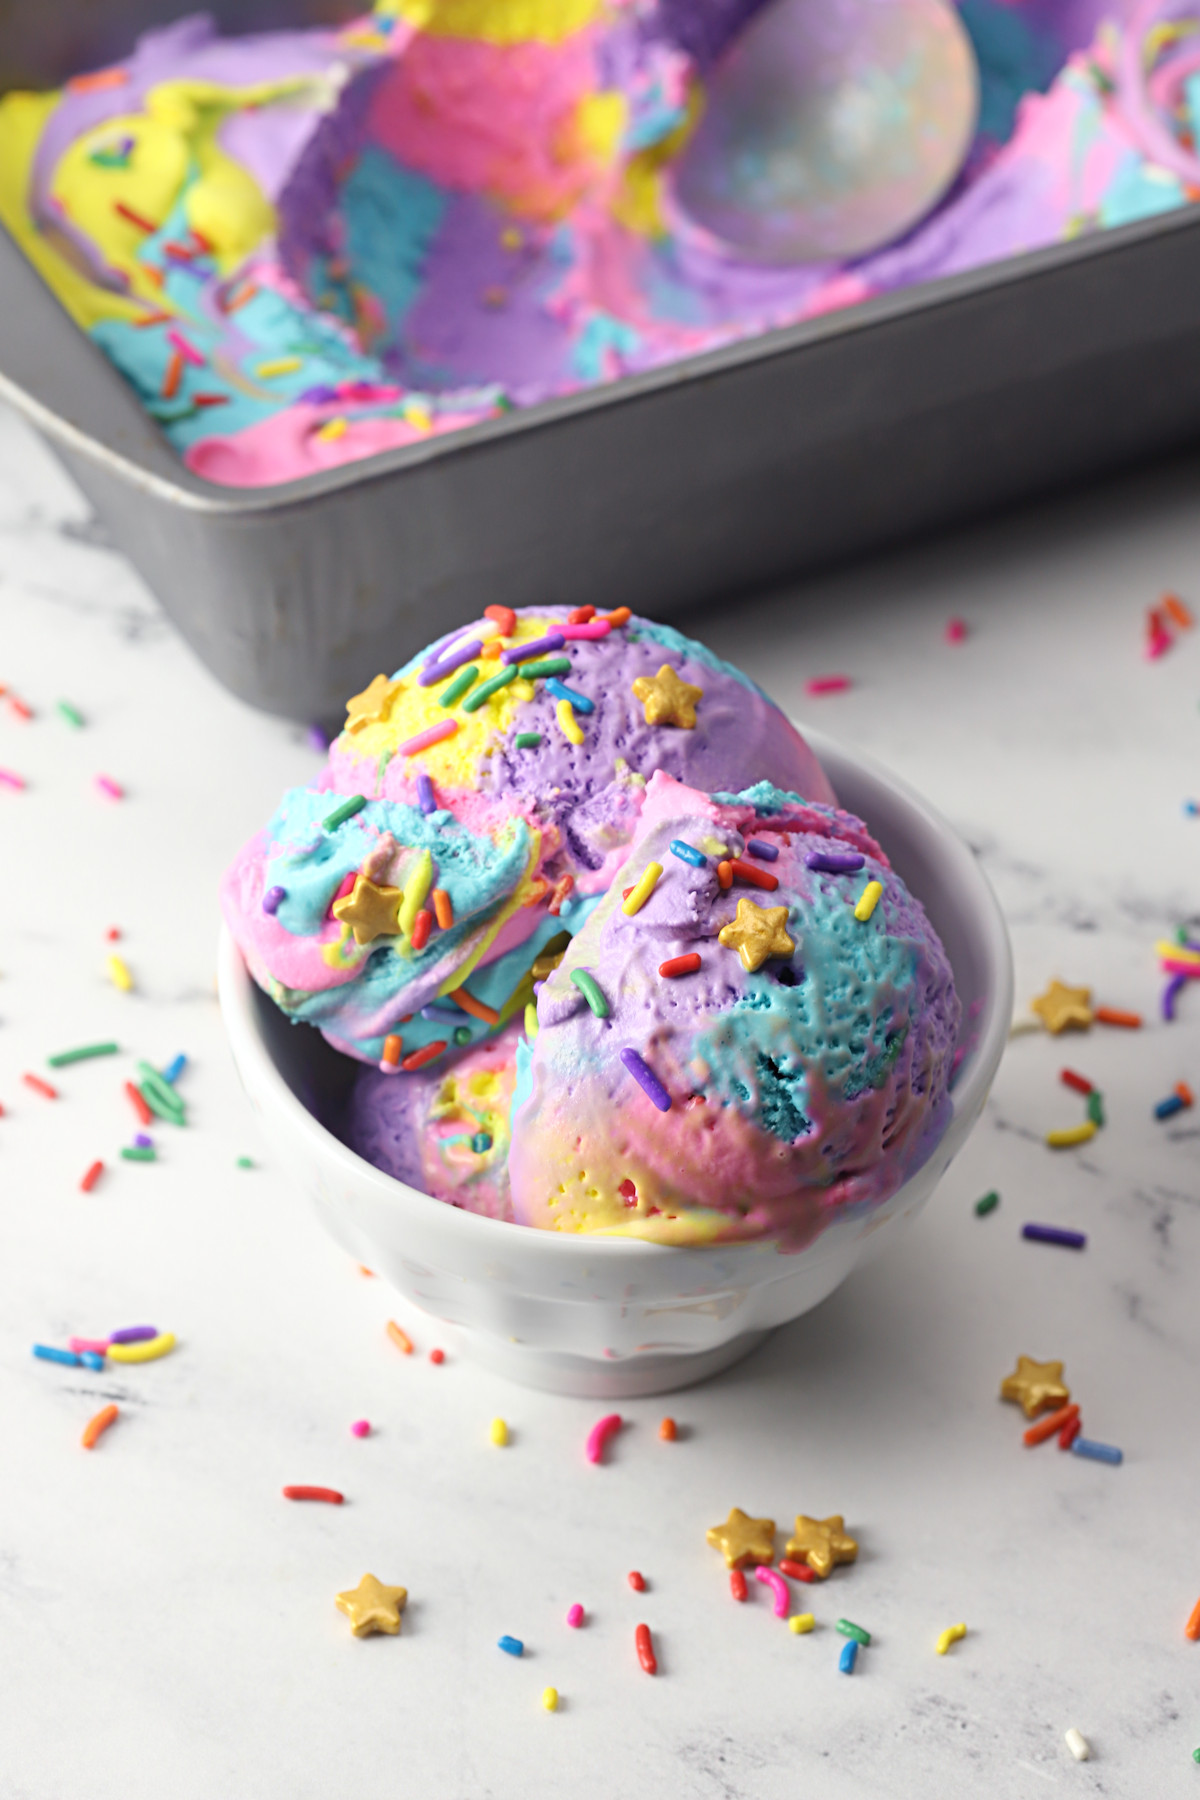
(1078, 1745)
(1025, 1023)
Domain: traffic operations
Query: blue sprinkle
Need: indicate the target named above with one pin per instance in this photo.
(50, 1353)
(687, 853)
(561, 691)
(439, 1014)
(1166, 1109)
(314, 737)
(273, 899)
(425, 797)
(511, 1646)
(768, 852)
(1098, 1452)
(1053, 1234)
(849, 1656)
(175, 1068)
(91, 1360)
(481, 1141)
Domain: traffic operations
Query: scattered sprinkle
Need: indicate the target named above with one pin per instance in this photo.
(858, 1633)
(139, 1105)
(511, 1646)
(756, 847)
(1111, 1015)
(478, 1009)
(463, 650)
(400, 1338)
(40, 1087)
(589, 987)
(545, 668)
(111, 788)
(118, 972)
(1069, 1433)
(347, 809)
(426, 1054)
(1166, 1109)
(1106, 1453)
(688, 853)
(575, 1616)
(279, 365)
(97, 1425)
(781, 1597)
(668, 1431)
(527, 740)
(517, 653)
(92, 1177)
(139, 1153)
(680, 965)
(84, 1053)
(645, 1647)
(953, 1634)
(956, 631)
(437, 1356)
(1051, 1234)
(826, 862)
(425, 795)
(801, 1623)
(1178, 611)
(1079, 1083)
(10, 779)
(550, 1699)
(421, 928)
(1051, 1423)
(481, 1143)
(504, 617)
(531, 1020)
(498, 1432)
(463, 681)
(1095, 1108)
(71, 1359)
(986, 1204)
(849, 1657)
(148, 1350)
(1077, 1744)
(827, 684)
(577, 701)
(361, 1428)
(1192, 1628)
(796, 1571)
(646, 1079)
(642, 889)
(637, 1581)
(567, 722)
(425, 740)
(330, 1496)
(70, 713)
(486, 689)
(1071, 1135)
(599, 1435)
(175, 1068)
(868, 901)
(725, 874)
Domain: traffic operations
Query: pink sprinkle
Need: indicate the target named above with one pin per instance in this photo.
(774, 1580)
(956, 631)
(88, 1346)
(110, 787)
(600, 1433)
(827, 684)
(345, 886)
(424, 739)
(188, 351)
(10, 779)
(360, 1428)
(1157, 645)
(575, 1616)
(595, 628)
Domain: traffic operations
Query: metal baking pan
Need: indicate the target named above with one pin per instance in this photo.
(730, 471)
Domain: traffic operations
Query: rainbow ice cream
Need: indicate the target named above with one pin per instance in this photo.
(479, 802)
(796, 1062)
(303, 248)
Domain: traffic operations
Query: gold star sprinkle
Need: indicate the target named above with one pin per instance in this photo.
(742, 1540)
(373, 704)
(1060, 1007)
(756, 933)
(1035, 1386)
(373, 1606)
(668, 701)
(369, 910)
(821, 1543)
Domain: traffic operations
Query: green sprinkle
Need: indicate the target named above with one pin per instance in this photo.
(245, 1162)
(1181, 936)
(490, 687)
(528, 740)
(480, 1142)
(345, 811)
(1196, 1756)
(70, 713)
(159, 1095)
(134, 1153)
(850, 1630)
(988, 1204)
(84, 1053)
(462, 1035)
(546, 665)
(590, 990)
(459, 685)
(1095, 1107)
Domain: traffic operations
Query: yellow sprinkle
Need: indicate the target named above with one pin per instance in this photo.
(282, 365)
(531, 1024)
(868, 900)
(712, 846)
(642, 890)
(1177, 952)
(415, 889)
(801, 1622)
(1078, 1134)
(550, 1699)
(511, 238)
(568, 723)
(332, 430)
(149, 1350)
(950, 1636)
(118, 974)
(419, 417)
(499, 1432)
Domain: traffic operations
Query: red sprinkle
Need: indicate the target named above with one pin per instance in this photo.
(737, 1584)
(827, 684)
(98, 79)
(1111, 1015)
(419, 1058)
(329, 1495)
(113, 933)
(796, 1571)
(504, 617)
(422, 926)
(92, 1177)
(437, 1356)
(680, 965)
(645, 1649)
(139, 1105)
(1080, 1083)
(637, 1581)
(210, 399)
(725, 874)
(40, 1087)
(19, 707)
(133, 218)
(581, 615)
(1055, 1421)
(1069, 1433)
(758, 878)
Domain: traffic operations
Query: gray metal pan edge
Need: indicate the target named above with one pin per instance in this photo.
(667, 491)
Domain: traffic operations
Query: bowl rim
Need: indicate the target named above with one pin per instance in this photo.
(236, 989)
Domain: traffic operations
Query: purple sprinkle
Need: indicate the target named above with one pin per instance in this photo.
(768, 852)
(1170, 993)
(460, 654)
(273, 899)
(828, 864)
(425, 798)
(318, 396)
(1050, 1234)
(133, 1334)
(316, 738)
(553, 640)
(647, 1080)
(143, 1142)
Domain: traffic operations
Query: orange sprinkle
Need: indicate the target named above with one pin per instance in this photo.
(725, 874)
(400, 1338)
(98, 79)
(538, 892)
(493, 647)
(562, 889)
(1178, 611)
(241, 297)
(392, 1046)
(173, 376)
(443, 909)
(152, 318)
(621, 616)
(1192, 1628)
(581, 615)
(1055, 1421)
(97, 1426)
(1185, 1093)
(476, 1008)
(1111, 1015)
(667, 1431)
(363, 1270)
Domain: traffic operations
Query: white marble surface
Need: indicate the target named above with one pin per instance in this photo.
(167, 1625)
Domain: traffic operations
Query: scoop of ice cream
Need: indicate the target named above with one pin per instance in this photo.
(480, 800)
(795, 1062)
(444, 1131)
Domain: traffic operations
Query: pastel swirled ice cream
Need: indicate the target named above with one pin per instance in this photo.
(303, 248)
(716, 1062)
(479, 802)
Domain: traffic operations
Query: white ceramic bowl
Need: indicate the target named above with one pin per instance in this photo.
(616, 1318)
